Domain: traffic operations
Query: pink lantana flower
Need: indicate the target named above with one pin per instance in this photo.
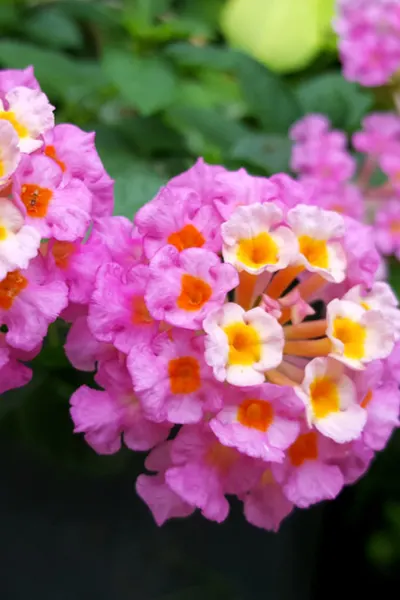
(30, 113)
(241, 346)
(105, 416)
(83, 350)
(381, 297)
(320, 238)
(265, 505)
(258, 422)
(204, 471)
(387, 228)
(380, 397)
(172, 380)
(193, 282)
(369, 40)
(312, 126)
(56, 207)
(256, 240)
(29, 302)
(380, 132)
(77, 264)
(330, 399)
(12, 78)
(9, 151)
(307, 475)
(75, 153)
(13, 373)
(121, 239)
(156, 493)
(118, 311)
(19, 243)
(358, 335)
(177, 217)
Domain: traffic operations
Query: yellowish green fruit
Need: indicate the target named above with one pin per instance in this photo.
(285, 35)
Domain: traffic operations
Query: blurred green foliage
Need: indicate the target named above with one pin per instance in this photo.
(160, 86)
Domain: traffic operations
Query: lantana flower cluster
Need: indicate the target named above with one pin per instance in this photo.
(238, 331)
(369, 40)
(52, 189)
(328, 169)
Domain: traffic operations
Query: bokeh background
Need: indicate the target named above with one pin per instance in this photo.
(163, 82)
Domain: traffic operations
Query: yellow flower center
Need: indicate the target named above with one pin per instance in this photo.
(258, 251)
(9, 116)
(352, 335)
(315, 251)
(244, 344)
(324, 397)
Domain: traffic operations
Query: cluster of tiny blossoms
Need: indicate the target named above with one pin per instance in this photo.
(369, 40)
(238, 332)
(52, 188)
(327, 169)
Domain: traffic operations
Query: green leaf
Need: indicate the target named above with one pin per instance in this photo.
(394, 275)
(210, 125)
(146, 84)
(9, 18)
(270, 152)
(267, 94)
(54, 28)
(345, 103)
(93, 12)
(59, 75)
(134, 188)
(210, 57)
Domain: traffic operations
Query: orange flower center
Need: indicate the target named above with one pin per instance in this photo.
(184, 375)
(304, 448)
(140, 313)
(36, 199)
(255, 414)
(10, 287)
(221, 456)
(62, 251)
(187, 237)
(195, 292)
(367, 399)
(50, 151)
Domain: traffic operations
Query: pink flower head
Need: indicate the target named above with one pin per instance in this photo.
(312, 126)
(202, 178)
(19, 243)
(122, 241)
(330, 398)
(241, 346)
(363, 259)
(55, 207)
(387, 228)
(105, 416)
(177, 217)
(204, 471)
(380, 398)
(83, 350)
(369, 41)
(380, 132)
(257, 422)
(12, 78)
(325, 158)
(9, 151)
(75, 153)
(389, 164)
(381, 297)
(155, 492)
(307, 475)
(29, 302)
(193, 283)
(345, 198)
(13, 373)
(320, 237)
(265, 505)
(358, 335)
(118, 311)
(172, 380)
(254, 239)
(77, 264)
(30, 113)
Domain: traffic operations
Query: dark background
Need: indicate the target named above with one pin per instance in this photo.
(159, 84)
